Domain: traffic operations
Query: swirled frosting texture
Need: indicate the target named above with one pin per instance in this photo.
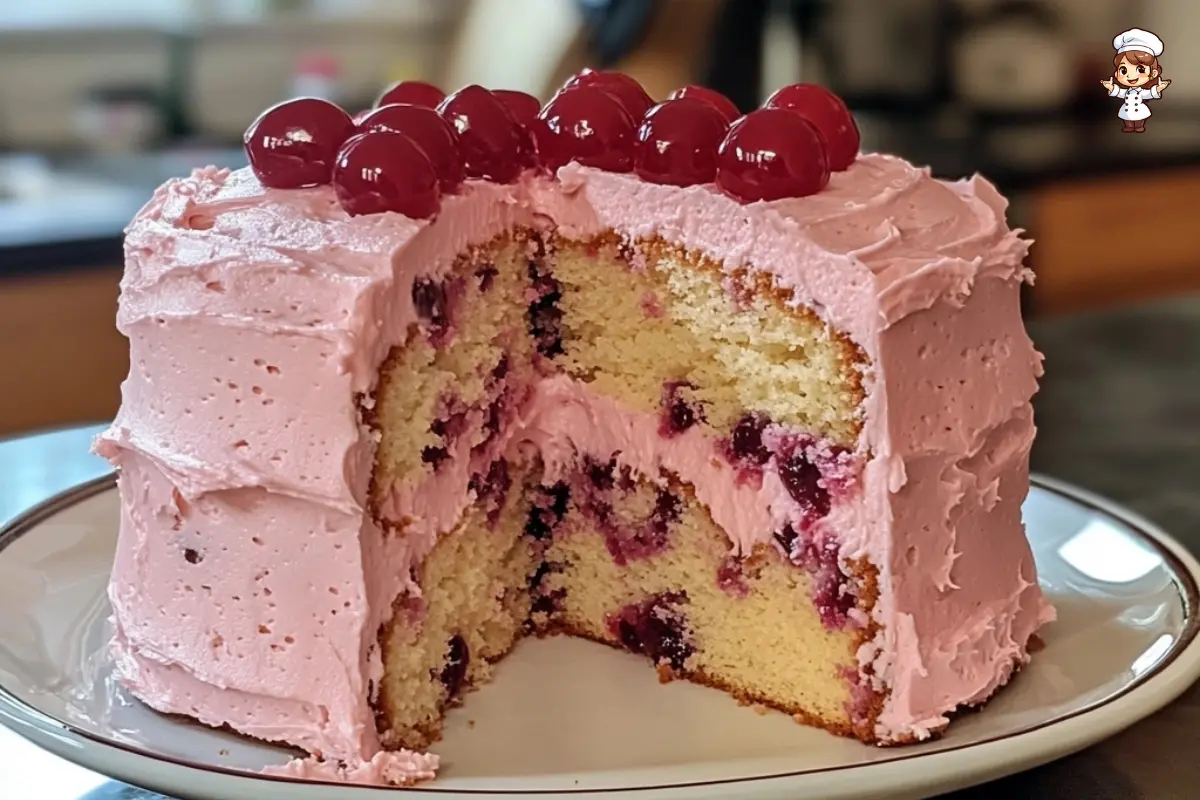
(250, 582)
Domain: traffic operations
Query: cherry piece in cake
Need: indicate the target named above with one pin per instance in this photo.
(493, 145)
(385, 171)
(655, 628)
(828, 113)
(770, 154)
(417, 93)
(678, 414)
(677, 142)
(587, 125)
(746, 441)
(295, 144)
(458, 658)
(711, 96)
(625, 89)
(802, 479)
(431, 133)
(523, 107)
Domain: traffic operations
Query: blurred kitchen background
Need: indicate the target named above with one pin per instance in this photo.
(101, 100)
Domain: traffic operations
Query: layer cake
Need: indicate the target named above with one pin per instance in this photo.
(722, 392)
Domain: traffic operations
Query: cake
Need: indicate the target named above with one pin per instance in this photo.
(717, 390)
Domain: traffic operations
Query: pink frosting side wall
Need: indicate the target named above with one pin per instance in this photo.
(960, 432)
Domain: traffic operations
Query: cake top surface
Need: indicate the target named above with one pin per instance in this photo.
(883, 240)
(864, 240)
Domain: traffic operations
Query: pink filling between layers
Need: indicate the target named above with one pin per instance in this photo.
(235, 296)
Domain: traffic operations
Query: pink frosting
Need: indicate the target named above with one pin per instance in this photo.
(395, 768)
(249, 581)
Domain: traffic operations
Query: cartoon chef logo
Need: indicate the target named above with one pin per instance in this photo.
(1137, 77)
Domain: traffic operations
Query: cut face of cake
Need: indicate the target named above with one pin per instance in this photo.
(715, 394)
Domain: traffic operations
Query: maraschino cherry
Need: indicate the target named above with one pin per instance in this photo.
(523, 107)
(770, 154)
(826, 110)
(414, 93)
(493, 144)
(628, 91)
(710, 96)
(431, 133)
(588, 125)
(677, 142)
(294, 144)
(385, 171)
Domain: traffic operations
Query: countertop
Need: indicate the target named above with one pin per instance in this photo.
(74, 209)
(1118, 413)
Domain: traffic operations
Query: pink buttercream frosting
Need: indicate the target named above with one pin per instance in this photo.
(250, 581)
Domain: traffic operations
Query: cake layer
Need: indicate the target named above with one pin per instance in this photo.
(472, 607)
(764, 628)
(260, 321)
(650, 325)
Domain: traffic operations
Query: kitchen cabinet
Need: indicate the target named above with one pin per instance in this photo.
(61, 356)
(1114, 240)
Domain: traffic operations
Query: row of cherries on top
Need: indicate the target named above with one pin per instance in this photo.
(418, 144)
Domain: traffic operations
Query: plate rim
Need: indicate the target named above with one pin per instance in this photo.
(20, 716)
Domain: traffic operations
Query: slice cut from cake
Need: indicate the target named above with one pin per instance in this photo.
(722, 396)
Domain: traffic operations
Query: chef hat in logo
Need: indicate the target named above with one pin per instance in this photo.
(1138, 39)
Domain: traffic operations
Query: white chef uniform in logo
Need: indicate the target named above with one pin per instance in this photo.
(1135, 97)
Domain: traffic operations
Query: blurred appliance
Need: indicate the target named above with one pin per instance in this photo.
(48, 77)
(1013, 57)
(237, 70)
(884, 50)
(317, 75)
(119, 119)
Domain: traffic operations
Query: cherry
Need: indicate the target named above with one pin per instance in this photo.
(711, 96)
(385, 171)
(628, 92)
(772, 153)
(431, 133)
(655, 627)
(802, 479)
(458, 658)
(294, 144)
(677, 142)
(493, 145)
(588, 125)
(826, 110)
(523, 107)
(415, 93)
(746, 440)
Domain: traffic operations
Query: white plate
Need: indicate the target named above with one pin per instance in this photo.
(569, 718)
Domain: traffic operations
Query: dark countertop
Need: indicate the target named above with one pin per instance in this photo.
(1118, 413)
(78, 218)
